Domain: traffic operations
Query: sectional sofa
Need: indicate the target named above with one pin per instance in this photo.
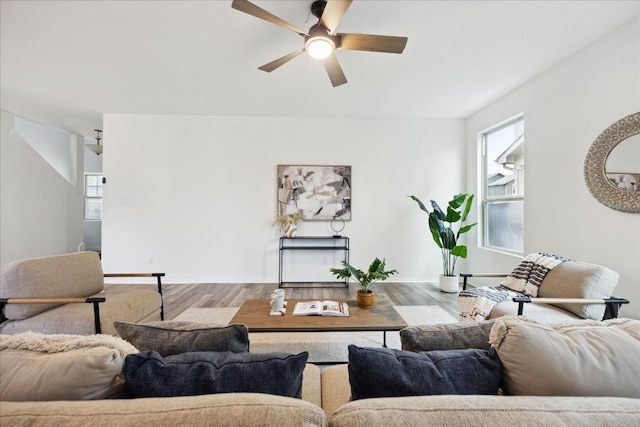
(579, 373)
(246, 409)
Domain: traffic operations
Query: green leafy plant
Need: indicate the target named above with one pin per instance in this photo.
(376, 273)
(441, 226)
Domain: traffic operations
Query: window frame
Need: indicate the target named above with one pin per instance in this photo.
(87, 198)
(486, 199)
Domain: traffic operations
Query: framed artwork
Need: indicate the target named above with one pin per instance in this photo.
(624, 181)
(318, 192)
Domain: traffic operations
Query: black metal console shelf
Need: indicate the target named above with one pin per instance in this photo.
(312, 243)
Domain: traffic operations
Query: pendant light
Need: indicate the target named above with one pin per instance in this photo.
(96, 148)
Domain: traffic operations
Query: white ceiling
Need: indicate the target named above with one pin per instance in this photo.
(65, 63)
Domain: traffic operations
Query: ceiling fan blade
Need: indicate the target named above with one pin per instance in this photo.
(253, 10)
(280, 61)
(372, 43)
(334, 10)
(334, 70)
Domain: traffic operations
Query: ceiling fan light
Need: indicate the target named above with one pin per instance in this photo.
(319, 47)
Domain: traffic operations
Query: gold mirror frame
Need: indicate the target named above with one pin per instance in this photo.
(594, 166)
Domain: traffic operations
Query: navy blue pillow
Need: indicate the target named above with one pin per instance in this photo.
(148, 374)
(385, 372)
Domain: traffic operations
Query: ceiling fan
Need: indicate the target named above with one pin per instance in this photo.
(320, 41)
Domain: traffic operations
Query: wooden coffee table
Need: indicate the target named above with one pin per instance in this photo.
(254, 313)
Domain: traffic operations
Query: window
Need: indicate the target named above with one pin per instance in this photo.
(503, 186)
(93, 196)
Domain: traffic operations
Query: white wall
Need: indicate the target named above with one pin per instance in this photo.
(40, 212)
(194, 196)
(565, 110)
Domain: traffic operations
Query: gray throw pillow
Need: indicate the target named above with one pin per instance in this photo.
(174, 337)
(150, 375)
(449, 336)
(385, 372)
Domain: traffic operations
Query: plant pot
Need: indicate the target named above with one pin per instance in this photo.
(449, 284)
(365, 300)
(290, 230)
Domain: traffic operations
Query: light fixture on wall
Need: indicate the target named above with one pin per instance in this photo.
(96, 148)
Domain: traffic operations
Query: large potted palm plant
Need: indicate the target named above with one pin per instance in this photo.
(375, 273)
(443, 230)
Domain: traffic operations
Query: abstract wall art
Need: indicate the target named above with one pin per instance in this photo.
(318, 192)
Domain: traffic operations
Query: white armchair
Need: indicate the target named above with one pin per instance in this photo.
(570, 290)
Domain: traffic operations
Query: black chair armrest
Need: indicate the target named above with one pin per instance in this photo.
(158, 276)
(90, 300)
(613, 307)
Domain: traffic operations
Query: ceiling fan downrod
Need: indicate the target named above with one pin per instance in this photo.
(317, 8)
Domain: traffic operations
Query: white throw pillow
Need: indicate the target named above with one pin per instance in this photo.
(82, 374)
(575, 358)
(36, 366)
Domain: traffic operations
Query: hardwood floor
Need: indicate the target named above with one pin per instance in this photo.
(179, 297)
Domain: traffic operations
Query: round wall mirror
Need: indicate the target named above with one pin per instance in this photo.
(623, 164)
(612, 166)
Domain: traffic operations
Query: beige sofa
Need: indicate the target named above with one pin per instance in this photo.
(326, 402)
(60, 294)
(326, 392)
(573, 373)
(228, 409)
(473, 410)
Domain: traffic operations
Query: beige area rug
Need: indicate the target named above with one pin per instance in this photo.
(323, 347)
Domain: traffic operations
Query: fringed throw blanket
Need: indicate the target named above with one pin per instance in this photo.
(476, 304)
(57, 343)
(530, 273)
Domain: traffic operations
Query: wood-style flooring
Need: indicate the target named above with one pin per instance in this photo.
(179, 297)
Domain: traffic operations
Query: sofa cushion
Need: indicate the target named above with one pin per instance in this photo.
(61, 367)
(384, 372)
(175, 337)
(229, 409)
(575, 358)
(130, 305)
(72, 275)
(312, 384)
(488, 411)
(575, 279)
(542, 312)
(148, 374)
(336, 390)
(448, 336)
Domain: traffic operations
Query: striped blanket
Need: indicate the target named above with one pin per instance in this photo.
(476, 304)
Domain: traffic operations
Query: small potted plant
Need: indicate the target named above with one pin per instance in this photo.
(376, 273)
(289, 223)
(446, 237)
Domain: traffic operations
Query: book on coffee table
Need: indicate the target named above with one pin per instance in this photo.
(321, 308)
